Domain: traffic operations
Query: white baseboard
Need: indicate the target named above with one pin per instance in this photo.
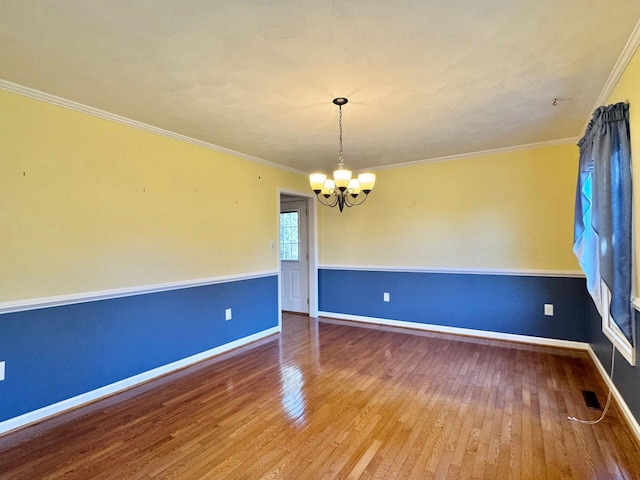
(50, 410)
(624, 408)
(56, 408)
(628, 416)
(551, 342)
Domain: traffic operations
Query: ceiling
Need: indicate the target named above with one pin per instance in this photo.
(425, 79)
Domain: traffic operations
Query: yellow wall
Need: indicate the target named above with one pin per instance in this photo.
(87, 204)
(628, 90)
(501, 211)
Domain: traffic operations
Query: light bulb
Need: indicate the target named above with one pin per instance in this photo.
(354, 187)
(367, 181)
(317, 181)
(329, 187)
(342, 177)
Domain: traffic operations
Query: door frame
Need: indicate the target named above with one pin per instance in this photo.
(312, 239)
(299, 283)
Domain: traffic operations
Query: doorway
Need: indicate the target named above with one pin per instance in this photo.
(294, 253)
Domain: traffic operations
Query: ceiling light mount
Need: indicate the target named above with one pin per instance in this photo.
(341, 191)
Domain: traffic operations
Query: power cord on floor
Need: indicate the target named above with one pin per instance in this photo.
(606, 407)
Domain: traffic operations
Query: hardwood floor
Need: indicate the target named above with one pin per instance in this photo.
(332, 400)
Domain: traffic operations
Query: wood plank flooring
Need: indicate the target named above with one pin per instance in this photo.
(332, 400)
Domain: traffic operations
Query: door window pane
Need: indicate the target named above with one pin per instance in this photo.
(289, 236)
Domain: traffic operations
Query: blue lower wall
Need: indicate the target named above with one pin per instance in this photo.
(625, 377)
(53, 354)
(497, 303)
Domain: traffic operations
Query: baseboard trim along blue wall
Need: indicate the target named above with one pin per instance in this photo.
(467, 332)
(59, 357)
(508, 304)
(626, 378)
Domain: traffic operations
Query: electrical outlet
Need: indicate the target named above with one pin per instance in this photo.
(227, 314)
(386, 297)
(548, 309)
(272, 245)
(1, 371)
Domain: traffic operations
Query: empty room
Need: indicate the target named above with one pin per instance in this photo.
(319, 240)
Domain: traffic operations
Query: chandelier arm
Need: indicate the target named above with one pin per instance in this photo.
(325, 201)
(353, 202)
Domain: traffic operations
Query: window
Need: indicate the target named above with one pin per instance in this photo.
(602, 231)
(611, 329)
(289, 238)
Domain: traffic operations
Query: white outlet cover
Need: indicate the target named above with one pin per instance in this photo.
(386, 297)
(548, 309)
(1, 371)
(227, 314)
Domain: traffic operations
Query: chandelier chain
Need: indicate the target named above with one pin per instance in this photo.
(340, 159)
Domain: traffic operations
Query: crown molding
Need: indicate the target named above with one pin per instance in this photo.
(618, 69)
(112, 117)
(96, 112)
(480, 153)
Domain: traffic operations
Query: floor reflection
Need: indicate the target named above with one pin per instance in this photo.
(299, 363)
(293, 400)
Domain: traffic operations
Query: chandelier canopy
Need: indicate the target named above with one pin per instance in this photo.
(343, 190)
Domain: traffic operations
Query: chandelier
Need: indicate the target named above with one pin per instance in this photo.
(341, 191)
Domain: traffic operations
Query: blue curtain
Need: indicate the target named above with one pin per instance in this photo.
(602, 229)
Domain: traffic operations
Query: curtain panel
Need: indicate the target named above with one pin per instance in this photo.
(602, 228)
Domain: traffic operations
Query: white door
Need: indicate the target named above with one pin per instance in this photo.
(294, 256)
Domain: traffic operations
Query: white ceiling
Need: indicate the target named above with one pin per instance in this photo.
(425, 79)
